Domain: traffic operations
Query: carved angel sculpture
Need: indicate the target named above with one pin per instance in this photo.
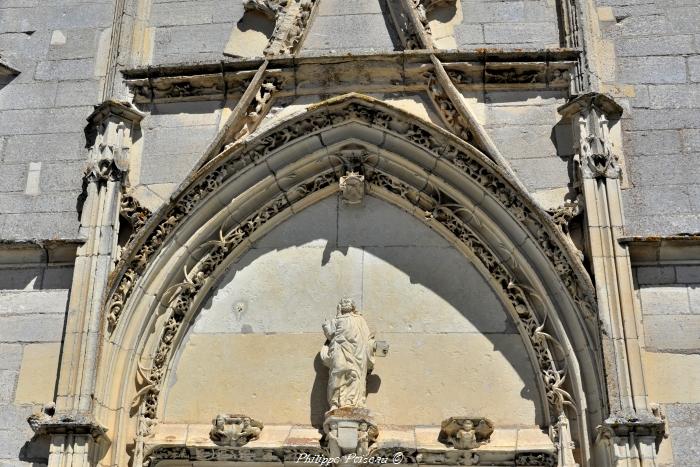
(234, 430)
(349, 354)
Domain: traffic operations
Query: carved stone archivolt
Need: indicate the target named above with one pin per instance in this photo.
(134, 212)
(439, 207)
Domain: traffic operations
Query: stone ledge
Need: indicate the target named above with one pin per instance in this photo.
(284, 443)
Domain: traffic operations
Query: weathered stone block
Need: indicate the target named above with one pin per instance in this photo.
(8, 380)
(649, 119)
(348, 32)
(49, 225)
(469, 34)
(20, 278)
(15, 203)
(53, 301)
(28, 96)
(37, 377)
(529, 34)
(32, 328)
(73, 43)
(691, 140)
(173, 141)
(674, 96)
(694, 68)
(57, 176)
(13, 177)
(524, 142)
(654, 45)
(72, 93)
(694, 296)
(668, 300)
(662, 225)
(356, 7)
(180, 43)
(688, 274)
(672, 332)
(28, 122)
(670, 199)
(674, 376)
(57, 278)
(653, 142)
(662, 170)
(167, 168)
(494, 12)
(546, 172)
(654, 275)
(652, 70)
(60, 146)
(59, 70)
(10, 356)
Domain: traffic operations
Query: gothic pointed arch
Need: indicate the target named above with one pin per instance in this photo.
(220, 210)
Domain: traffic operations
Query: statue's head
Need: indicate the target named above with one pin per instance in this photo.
(220, 421)
(346, 305)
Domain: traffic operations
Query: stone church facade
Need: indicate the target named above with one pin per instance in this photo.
(263, 232)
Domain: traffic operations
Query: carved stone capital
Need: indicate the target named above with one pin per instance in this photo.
(651, 425)
(109, 132)
(47, 422)
(590, 116)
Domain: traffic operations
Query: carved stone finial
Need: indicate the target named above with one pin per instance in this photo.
(234, 430)
(352, 188)
(349, 354)
(465, 432)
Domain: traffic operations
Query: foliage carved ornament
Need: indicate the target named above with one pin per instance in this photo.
(437, 205)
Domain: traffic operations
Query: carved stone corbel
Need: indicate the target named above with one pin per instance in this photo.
(465, 432)
(234, 430)
(349, 430)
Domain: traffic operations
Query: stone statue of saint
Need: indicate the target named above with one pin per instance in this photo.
(349, 353)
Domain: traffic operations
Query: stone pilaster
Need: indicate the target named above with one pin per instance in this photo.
(110, 132)
(598, 176)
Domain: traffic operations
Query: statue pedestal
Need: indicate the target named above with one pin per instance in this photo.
(349, 430)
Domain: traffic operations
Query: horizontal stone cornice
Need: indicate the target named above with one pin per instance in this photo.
(388, 72)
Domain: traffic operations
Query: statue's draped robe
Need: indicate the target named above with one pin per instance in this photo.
(349, 355)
